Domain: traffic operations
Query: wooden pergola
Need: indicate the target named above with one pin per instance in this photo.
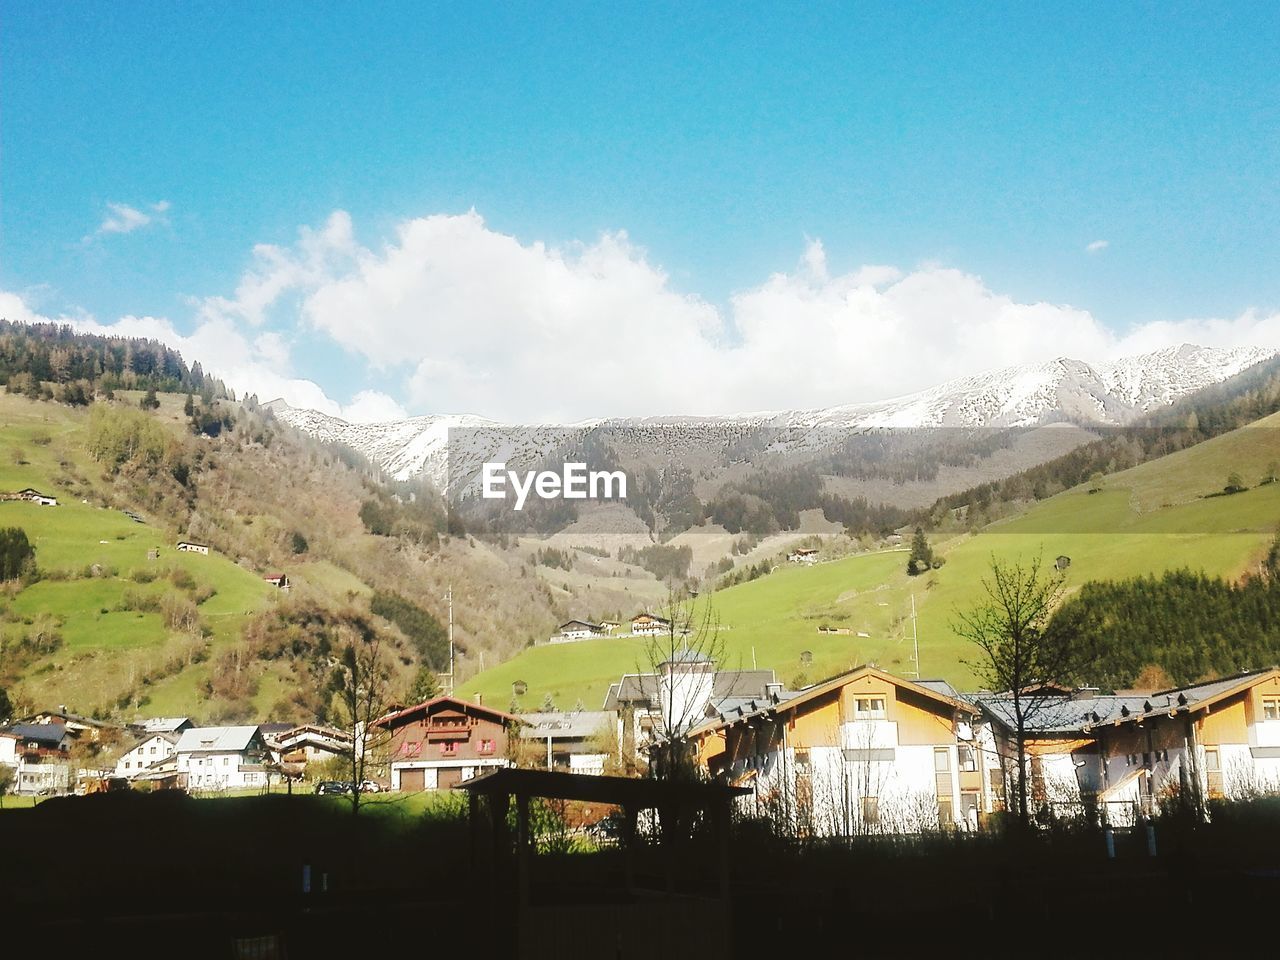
(676, 803)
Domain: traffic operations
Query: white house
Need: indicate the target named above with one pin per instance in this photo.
(35, 496)
(804, 555)
(222, 758)
(578, 630)
(185, 546)
(150, 751)
(173, 725)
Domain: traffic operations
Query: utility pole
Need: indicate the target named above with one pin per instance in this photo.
(915, 639)
(449, 597)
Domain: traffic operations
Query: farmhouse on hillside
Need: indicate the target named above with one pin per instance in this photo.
(647, 625)
(278, 580)
(35, 496)
(803, 555)
(578, 630)
(439, 743)
(186, 546)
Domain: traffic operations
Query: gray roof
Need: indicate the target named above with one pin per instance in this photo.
(216, 739)
(643, 687)
(940, 686)
(165, 724)
(566, 725)
(51, 734)
(1063, 714)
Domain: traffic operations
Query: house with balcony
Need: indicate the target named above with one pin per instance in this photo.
(862, 752)
(222, 758)
(439, 743)
(1219, 739)
(37, 753)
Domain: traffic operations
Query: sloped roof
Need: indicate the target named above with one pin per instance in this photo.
(1196, 696)
(643, 687)
(565, 725)
(790, 699)
(1061, 715)
(216, 739)
(164, 724)
(47, 733)
(465, 706)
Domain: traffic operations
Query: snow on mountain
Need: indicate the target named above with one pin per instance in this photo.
(1106, 394)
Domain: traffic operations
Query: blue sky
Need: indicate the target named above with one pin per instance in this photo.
(729, 169)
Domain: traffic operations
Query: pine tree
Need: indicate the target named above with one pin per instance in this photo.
(921, 554)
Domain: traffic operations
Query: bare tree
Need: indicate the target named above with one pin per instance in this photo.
(361, 687)
(682, 658)
(1022, 652)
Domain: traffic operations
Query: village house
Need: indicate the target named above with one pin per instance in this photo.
(680, 695)
(573, 740)
(803, 555)
(309, 743)
(862, 752)
(437, 744)
(647, 625)
(222, 758)
(153, 749)
(37, 753)
(186, 546)
(1219, 739)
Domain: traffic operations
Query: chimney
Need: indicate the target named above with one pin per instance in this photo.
(772, 691)
(479, 699)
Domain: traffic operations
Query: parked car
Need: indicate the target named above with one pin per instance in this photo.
(370, 786)
(330, 787)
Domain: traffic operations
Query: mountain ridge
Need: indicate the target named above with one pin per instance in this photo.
(1107, 394)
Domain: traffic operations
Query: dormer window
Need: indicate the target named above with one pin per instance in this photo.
(869, 708)
(1271, 708)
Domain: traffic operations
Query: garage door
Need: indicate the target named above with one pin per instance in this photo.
(448, 778)
(413, 779)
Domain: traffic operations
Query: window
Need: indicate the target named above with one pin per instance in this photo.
(1211, 759)
(944, 812)
(486, 746)
(226, 761)
(869, 708)
(968, 759)
(870, 809)
(802, 757)
(942, 760)
(1271, 708)
(153, 750)
(126, 764)
(449, 747)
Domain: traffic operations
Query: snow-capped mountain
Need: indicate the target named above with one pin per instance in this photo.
(1108, 394)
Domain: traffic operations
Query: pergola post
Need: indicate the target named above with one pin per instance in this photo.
(522, 847)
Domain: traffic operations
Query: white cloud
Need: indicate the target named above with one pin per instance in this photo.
(122, 218)
(453, 317)
(1097, 246)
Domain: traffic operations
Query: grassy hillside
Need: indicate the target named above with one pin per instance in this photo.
(1162, 515)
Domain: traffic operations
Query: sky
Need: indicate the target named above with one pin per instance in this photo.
(561, 211)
